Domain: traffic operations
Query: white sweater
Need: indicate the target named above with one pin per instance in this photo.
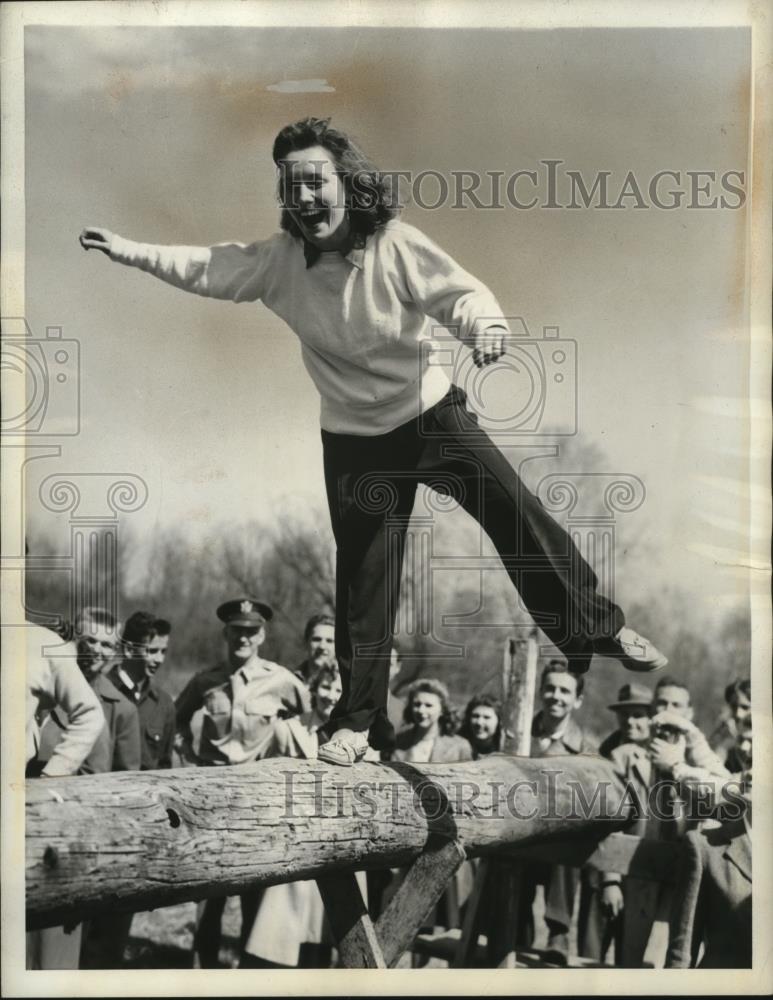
(54, 680)
(364, 319)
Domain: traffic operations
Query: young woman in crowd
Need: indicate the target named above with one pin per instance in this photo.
(430, 733)
(482, 725)
(288, 928)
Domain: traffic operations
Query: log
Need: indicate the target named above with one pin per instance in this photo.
(133, 841)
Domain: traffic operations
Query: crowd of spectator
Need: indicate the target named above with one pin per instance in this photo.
(97, 706)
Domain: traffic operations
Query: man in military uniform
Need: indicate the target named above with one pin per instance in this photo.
(241, 699)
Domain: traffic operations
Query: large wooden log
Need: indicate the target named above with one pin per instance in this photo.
(134, 841)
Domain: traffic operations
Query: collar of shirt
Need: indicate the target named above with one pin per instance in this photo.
(253, 668)
(134, 689)
(569, 733)
(354, 254)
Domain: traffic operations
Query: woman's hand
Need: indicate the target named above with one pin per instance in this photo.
(489, 345)
(93, 238)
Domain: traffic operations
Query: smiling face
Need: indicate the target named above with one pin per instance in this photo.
(243, 642)
(483, 724)
(96, 648)
(426, 709)
(314, 195)
(155, 653)
(559, 695)
(634, 724)
(325, 697)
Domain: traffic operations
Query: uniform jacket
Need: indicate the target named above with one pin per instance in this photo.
(715, 900)
(155, 709)
(240, 707)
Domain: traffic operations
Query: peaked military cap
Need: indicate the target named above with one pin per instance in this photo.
(245, 611)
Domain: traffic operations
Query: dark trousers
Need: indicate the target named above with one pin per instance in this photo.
(209, 920)
(560, 884)
(371, 484)
(105, 941)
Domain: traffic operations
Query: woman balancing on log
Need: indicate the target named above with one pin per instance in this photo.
(362, 291)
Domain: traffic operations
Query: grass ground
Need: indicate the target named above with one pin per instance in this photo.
(163, 938)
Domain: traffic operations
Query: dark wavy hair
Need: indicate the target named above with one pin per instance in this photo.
(321, 619)
(448, 723)
(562, 667)
(741, 685)
(143, 627)
(369, 194)
(478, 701)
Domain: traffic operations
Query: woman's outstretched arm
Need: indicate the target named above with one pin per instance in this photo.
(233, 271)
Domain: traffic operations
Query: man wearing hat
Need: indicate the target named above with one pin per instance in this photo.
(601, 897)
(633, 709)
(241, 698)
(657, 747)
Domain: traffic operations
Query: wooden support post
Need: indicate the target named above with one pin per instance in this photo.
(358, 945)
(419, 892)
(519, 685)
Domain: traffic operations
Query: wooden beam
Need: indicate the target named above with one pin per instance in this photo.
(133, 841)
(652, 860)
(358, 944)
(419, 892)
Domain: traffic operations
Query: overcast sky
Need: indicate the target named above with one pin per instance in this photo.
(164, 135)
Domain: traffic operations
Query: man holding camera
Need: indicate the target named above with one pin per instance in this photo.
(656, 753)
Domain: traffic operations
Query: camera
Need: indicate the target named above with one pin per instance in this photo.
(41, 385)
(667, 732)
(531, 389)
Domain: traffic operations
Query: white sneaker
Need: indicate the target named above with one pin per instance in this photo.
(633, 650)
(344, 749)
